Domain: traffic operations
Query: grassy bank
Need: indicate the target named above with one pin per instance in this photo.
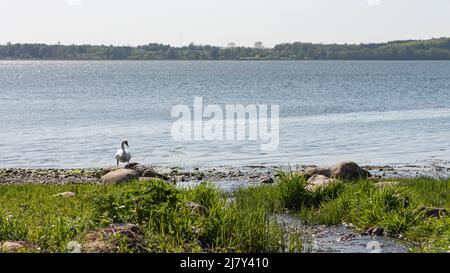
(398, 207)
(165, 217)
(202, 219)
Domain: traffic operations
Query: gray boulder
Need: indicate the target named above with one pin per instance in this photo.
(311, 171)
(138, 168)
(317, 181)
(348, 170)
(119, 176)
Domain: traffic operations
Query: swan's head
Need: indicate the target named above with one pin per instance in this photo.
(125, 142)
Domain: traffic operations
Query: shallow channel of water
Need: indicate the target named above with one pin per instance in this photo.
(319, 238)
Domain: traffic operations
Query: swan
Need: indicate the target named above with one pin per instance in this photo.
(123, 155)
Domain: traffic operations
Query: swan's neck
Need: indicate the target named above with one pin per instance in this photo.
(123, 146)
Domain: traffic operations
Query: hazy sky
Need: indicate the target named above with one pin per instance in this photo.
(218, 22)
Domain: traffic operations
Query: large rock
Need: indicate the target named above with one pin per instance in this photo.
(119, 176)
(138, 168)
(348, 170)
(311, 171)
(317, 181)
(104, 171)
(131, 165)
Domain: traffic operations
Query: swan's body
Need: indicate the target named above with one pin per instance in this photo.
(123, 155)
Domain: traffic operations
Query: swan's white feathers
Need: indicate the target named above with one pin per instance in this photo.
(123, 156)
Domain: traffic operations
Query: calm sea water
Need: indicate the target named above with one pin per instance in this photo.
(74, 114)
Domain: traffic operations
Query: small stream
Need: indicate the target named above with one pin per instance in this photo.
(341, 239)
(320, 238)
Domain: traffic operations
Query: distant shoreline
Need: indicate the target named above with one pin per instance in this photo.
(431, 49)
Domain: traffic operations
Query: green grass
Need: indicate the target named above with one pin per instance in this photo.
(248, 222)
(33, 214)
(395, 208)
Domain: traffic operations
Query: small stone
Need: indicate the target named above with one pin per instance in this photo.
(152, 173)
(368, 232)
(74, 247)
(266, 180)
(197, 208)
(429, 212)
(108, 239)
(66, 194)
(377, 232)
(348, 237)
(386, 184)
(198, 175)
(12, 247)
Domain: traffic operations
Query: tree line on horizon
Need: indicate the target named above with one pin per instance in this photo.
(432, 49)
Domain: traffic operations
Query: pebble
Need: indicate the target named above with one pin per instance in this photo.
(66, 194)
(12, 247)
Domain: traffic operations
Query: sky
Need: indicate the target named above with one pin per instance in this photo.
(219, 22)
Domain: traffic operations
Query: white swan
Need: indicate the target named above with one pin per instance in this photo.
(123, 155)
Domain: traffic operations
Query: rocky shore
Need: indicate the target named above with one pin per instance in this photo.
(328, 228)
(94, 175)
(251, 174)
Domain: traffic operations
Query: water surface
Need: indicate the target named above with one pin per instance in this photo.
(74, 113)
